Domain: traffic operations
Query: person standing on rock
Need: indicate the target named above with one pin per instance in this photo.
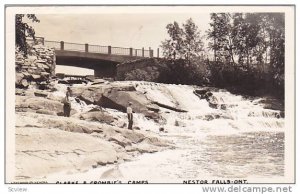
(67, 103)
(130, 116)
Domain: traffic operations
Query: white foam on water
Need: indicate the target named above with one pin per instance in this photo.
(240, 115)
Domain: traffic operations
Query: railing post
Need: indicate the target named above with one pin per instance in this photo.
(62, 45)
(150, 52)
(109, 50)
(143, 52)
(86, 48)
(130, 50)
(157, 52)
(135, 52)
(150, 55)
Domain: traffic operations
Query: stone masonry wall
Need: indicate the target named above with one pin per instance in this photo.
(36, 68)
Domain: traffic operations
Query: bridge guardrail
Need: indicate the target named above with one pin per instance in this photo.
(147, 53)
(37, 40)
(97, 49)
(120, 51)
(52, 44)
(68, 46)
(74, 47)
(138, 52)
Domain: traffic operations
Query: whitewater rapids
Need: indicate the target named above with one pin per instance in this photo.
(242, 141)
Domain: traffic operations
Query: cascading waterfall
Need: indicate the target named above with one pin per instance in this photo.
(233, 112)
(236, 138)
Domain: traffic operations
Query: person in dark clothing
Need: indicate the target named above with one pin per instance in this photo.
(67, 103)
(130, 116)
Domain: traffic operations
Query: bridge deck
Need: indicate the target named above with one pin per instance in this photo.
(109, 50)
(91, 48)
(102, 59)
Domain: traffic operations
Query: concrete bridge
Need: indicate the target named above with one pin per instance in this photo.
(102, 59)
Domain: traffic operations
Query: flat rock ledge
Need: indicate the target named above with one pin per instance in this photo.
(47, 144)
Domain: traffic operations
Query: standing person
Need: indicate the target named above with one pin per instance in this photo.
(67, 103)
(130, 116)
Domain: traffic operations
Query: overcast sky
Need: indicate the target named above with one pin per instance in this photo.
(123, 30)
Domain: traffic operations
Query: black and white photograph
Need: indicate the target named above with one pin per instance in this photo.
(150, 94)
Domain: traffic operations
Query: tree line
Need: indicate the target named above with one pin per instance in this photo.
(247, 51)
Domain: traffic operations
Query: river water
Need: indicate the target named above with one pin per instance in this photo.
(243, 141)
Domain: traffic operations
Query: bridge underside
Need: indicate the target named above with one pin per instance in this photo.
(102, 68)
(104, 65)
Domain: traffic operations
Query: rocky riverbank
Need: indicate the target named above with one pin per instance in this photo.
(47, 142)
(174, 131)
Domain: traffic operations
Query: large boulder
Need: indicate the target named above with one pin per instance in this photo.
(68, 124)
(202, 93)
(117, 97)
(90, 95)
(120, 140)
(119, 100)
(33, 104)
(99, 116)
(93, 94)
(133, 136)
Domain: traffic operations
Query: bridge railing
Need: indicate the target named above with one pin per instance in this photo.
(74, 46)
(97, 49)
(37, 40)
(68, 46)
(120, 51)
(147, 53)
(142, 53)
(52, 44)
